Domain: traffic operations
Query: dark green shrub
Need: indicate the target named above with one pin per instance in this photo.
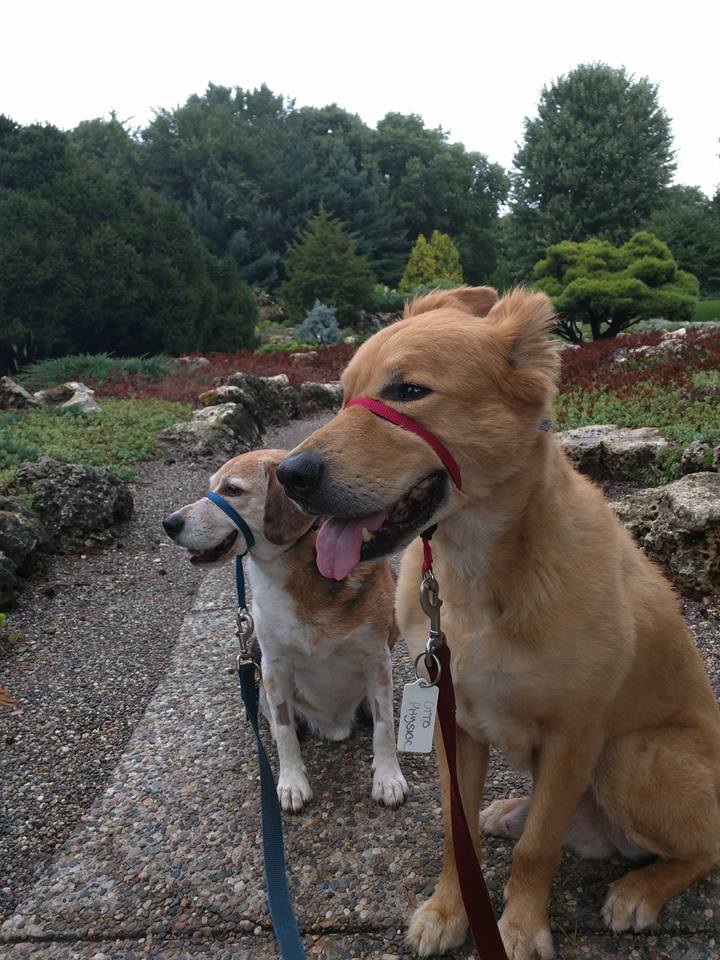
(610, 288)
(323, 264)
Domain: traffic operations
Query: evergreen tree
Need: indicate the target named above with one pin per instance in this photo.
(323, 264)
(430, 263)
(689, 224)
(595, 162)
(609, 288)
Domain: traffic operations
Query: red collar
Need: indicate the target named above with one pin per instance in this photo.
(382, 410)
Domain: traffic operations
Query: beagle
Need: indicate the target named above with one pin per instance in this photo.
(325, 645)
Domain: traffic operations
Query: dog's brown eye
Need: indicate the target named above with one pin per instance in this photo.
(231, 490)
(405, 392)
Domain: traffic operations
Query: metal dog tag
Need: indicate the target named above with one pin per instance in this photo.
(417, 717)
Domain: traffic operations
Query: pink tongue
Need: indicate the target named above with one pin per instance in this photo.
(339, 541)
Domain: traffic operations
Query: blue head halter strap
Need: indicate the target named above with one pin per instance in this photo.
(245, 530)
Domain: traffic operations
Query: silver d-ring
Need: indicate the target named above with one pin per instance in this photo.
(423, 682)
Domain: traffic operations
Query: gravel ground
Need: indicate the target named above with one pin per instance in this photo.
(156, 833)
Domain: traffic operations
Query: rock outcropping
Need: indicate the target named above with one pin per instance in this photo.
(608, 452)
(679, 526)
(77, 505)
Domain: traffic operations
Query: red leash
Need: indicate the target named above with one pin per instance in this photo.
(476, 899)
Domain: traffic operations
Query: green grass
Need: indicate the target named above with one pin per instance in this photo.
(707, 310)
(677, 417)
(118, 438)
(98, 367)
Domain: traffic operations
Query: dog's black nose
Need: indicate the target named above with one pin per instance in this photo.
(173, 524)
(300, 473)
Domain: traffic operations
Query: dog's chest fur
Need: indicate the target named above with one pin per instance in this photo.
(326, 644)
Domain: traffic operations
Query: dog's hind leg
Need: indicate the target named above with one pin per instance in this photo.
(588, 832)
(662, 792)
(440, 923)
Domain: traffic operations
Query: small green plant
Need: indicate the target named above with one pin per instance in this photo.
(385, 300)
(119, 438)
(669, 410)
(289, 346)
(320, 326)
(97, 367)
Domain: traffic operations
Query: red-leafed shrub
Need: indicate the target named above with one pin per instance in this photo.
(186, 385)
(596, 365)
(591, 366)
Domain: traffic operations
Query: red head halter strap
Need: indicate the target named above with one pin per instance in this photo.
(407, 423)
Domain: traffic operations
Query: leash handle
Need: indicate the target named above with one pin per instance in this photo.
(476, 899)
(281, 911)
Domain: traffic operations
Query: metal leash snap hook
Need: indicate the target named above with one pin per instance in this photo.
(245, 627)
(430, 602)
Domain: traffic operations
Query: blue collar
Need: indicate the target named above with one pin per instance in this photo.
(234, 516)
(242, 526)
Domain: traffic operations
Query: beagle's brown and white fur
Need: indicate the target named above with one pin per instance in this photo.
(569, 651)
(325, 645)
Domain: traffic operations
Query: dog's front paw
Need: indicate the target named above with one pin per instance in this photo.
(629, 904)
(436, 927)
(389, 787)
(524, 940)
(293, 791)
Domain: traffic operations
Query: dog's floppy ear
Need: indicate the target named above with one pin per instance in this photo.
(284, 522)
(524, 319)
(477, 301)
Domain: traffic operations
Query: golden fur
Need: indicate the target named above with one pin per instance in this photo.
(568, 648)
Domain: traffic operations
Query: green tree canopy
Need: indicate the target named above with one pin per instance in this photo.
(323, 264)
(609, 288)
(92, 262)
(436, 261)
(595, 161)
(689, 223)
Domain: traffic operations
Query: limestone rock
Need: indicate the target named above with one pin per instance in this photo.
(14, 397)
(225, 393)
(700, 456)
(22, 536)
(219, 431)
(679, 526)
(275, 400)
(302, 357)
(322, 396)
(78, 505)
(54, 396)
(69, 396)
(192, 363)
(609, 452)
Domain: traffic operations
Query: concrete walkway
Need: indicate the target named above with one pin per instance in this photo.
(167, 862)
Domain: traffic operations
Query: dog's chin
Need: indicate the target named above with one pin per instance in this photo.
(216, 555)
(407, 518)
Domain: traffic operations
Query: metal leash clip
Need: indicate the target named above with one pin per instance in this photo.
(430, 602)
(244, 629)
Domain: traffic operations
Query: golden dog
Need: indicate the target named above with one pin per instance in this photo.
(568, 648)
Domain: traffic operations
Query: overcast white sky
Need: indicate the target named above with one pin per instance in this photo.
(474, 68)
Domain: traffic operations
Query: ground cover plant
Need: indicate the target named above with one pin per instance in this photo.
(119, 438)
(101, 368)
(675, 394)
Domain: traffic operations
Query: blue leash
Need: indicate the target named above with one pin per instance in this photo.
(281, 911)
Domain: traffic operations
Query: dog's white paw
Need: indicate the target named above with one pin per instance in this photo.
(389, 787)
(525, 941)
(435, 928)
(628, 906)
(293, 791)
